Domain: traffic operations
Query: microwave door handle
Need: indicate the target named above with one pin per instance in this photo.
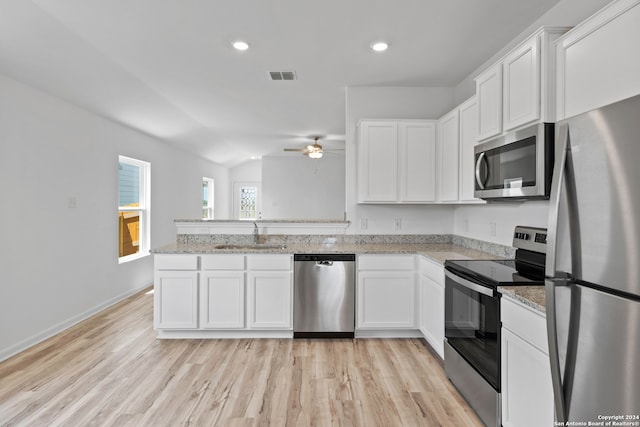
(478, 162)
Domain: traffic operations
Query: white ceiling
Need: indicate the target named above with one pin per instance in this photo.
(167, 68)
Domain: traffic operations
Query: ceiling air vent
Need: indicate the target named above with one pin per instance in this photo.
(282, 75)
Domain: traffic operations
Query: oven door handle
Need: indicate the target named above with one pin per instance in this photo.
(469, 284)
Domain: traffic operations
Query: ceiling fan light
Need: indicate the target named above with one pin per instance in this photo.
(315, 154)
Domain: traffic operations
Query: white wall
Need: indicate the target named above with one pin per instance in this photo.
(60, 264)
(393, 103)
(303, 188)
(476, 221)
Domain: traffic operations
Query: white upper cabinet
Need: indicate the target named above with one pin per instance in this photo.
(520, 88)
(468, 112)
(598, 61)
(378, 161)
(396, 161)
(417, 151)
(457, 135)
(521, 96)
(449, 146)
(489, 93)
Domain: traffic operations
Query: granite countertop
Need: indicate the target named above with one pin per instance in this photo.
(439, 252)
(531, 296)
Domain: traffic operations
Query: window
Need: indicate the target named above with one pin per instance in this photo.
(207, 198)
(133, 208)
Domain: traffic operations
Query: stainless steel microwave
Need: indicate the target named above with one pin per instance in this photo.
(515, 166)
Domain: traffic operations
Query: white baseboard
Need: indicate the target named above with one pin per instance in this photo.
(65, 324)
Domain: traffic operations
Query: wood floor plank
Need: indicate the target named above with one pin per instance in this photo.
(110, 370)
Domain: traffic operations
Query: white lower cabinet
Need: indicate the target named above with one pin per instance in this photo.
(431, 283)
(269, 300)
(176, 300)
(385, 292)
(527, 394)
(175, 292)
(222, 300)
(222, 293)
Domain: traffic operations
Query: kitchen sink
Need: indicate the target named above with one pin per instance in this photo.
(252, 247)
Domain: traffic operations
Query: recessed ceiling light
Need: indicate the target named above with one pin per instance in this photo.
(240, 45)
(379, 46)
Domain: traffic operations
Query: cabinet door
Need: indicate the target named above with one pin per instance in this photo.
(521, 68)
(176, 300)
(222, 300)
(449, 154)
(527, 394)
(489, 93)
(432, 313)
(417, 151)
(468, 139)
(269, 300)
(385, 299)
(378, 161)
(598, 61)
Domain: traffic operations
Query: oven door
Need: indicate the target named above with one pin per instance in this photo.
(472, 325)
(518, 164)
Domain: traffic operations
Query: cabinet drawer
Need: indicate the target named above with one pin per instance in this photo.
(525, 322)
(222, 262)
(269, 262)
(175, 262)
(431, 269)
(385, 262)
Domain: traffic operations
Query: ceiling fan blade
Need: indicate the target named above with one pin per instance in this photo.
(297, 150)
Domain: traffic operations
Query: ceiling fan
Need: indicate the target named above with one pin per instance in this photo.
(314, 151)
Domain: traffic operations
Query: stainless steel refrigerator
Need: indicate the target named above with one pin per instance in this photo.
(593, 266)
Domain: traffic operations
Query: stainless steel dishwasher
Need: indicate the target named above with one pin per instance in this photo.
(324, 296)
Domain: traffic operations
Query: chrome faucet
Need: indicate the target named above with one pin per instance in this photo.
(256, 234)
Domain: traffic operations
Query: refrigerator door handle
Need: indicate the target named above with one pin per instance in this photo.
(554, 356)
(557, 182)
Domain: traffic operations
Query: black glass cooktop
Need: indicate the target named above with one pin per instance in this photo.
(494, 273)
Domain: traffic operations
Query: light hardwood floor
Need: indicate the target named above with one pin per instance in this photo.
(111, 370)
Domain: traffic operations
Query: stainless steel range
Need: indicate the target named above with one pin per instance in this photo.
(472, 318)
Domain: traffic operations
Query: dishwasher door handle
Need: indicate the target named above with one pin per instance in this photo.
(324, 263)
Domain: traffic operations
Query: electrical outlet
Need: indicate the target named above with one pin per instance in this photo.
(492, 228)
(363, 223)
(71, 202)
(398, 223)
(466, 225)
